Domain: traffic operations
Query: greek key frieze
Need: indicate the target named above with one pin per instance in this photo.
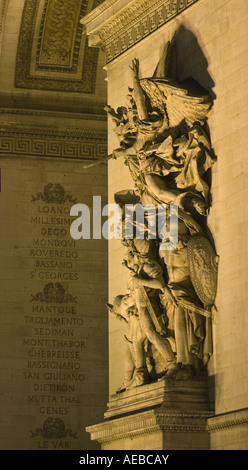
(38, 141)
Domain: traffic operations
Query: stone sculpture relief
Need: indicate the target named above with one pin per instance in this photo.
(164, 142)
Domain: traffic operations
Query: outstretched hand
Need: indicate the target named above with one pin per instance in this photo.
(169, 296)
(135, 68)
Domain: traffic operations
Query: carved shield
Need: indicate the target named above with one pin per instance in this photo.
(203, 267)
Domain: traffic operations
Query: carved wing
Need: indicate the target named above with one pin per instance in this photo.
(179, 105)
(182, 106)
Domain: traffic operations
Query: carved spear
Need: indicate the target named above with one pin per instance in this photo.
(98, 162)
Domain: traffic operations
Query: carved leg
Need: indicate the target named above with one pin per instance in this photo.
(183, 355)
(129, 371)
(140, 378)
(161, 344)
(180, 327)
(158, 187)
(139, 354)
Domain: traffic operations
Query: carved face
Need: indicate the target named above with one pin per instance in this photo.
(126, 133)
(127, 301)
(122, 303)
(131, 260)
(200, 206)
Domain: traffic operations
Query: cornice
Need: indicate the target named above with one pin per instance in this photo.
(116, 26)
(160, 420)
(228, 420)
(33, 129)
(148, 422)
(55, 114)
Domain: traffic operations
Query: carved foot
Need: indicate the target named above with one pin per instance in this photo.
(140, 378)
(122, 388)
(170, 373)
(186, 372)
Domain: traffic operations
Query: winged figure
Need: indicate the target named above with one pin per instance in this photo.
(162, 137)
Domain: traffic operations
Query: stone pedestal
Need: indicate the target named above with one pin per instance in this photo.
(169, 415)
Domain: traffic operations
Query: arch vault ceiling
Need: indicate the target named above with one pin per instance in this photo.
(52, 52)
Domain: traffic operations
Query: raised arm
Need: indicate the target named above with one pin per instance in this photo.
(139, 96)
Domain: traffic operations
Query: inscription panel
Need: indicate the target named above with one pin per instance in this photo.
(55, 334)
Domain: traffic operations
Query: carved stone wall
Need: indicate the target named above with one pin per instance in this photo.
(54, 359)
(3, 9)
(54, 364)
(211, 38)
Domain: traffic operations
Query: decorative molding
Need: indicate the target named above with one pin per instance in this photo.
(55, 114)
(118, 31)
(53, 428)
(54, 194)
(148, 422)
(32, 140)
(53, 293)
(58, 31)
(183, 422)
(161, 393)
(52, 53)
(3, 11)
(228, 420)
